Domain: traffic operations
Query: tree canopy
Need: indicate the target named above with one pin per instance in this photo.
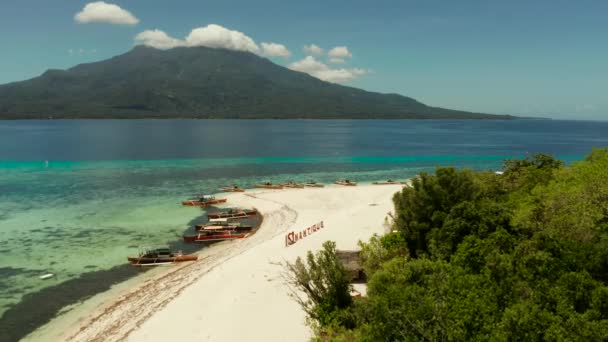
(481, 256)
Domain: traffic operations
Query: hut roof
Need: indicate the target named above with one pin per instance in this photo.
(350, 259)
(352, 262)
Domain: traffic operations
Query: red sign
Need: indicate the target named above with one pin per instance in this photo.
(293, 237)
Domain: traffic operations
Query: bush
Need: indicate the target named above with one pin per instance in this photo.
(324, 283)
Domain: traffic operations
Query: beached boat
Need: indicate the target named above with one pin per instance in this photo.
(215, 235)
(293, 185)
(223, 224)
(345, 182)
(232, 228)
(159, 256)
(268, 185)
(313, 184)
(234, 188)
(204, 201)
(387, 182)
(233, 214)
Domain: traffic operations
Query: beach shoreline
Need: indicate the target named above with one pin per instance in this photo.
(245, 281)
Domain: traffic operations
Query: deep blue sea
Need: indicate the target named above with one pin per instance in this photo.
(76, 197)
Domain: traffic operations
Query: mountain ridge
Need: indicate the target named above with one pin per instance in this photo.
(201, 82)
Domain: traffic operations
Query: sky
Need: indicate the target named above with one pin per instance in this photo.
(546, 58)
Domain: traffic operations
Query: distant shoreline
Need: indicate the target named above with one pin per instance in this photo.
(499, 118)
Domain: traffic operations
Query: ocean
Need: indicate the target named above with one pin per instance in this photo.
(77, 197)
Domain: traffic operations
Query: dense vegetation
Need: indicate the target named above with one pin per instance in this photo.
(480, 256)
(201, 82)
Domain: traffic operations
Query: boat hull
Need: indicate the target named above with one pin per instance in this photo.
(243, 214)
(261, 186)
(194, 203)
(314, 185)
(136, 261)
(293, 186)
(232, 190)
(215, 237)
(236, 228)
(345, 183)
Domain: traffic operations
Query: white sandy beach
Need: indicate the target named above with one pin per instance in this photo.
(235, 291)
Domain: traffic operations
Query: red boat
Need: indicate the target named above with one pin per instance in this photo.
(234, 188)
(159, 256)
(215, 235)
(268, 185)
(204, 201)
(345, 182)
(233, 213)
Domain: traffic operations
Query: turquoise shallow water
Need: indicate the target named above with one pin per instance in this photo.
(79, 196)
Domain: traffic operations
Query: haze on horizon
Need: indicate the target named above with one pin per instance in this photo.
(542, 58)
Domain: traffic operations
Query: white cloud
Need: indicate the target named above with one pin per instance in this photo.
(213, 36)
(313, 49)
(308, 65)
(158, 39)
(275, 50)
(322, 71)
(340, 52)
(102, 12)
(216, 36)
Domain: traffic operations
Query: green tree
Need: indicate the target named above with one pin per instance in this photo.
(381, 249)
(324, 283)
(428, 202)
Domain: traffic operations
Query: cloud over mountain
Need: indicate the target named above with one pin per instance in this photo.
(214, 36)
(322, 71)
(158, 39)
(275, 50)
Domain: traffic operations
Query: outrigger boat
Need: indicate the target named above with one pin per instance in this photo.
(268, 185)
(292, 184)
(215, 235)
(204, 201)
(234, 188)
(233, 214)
(313, 184)
(388, 182)
(345, 182)
(222, 224)
(159, 256)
